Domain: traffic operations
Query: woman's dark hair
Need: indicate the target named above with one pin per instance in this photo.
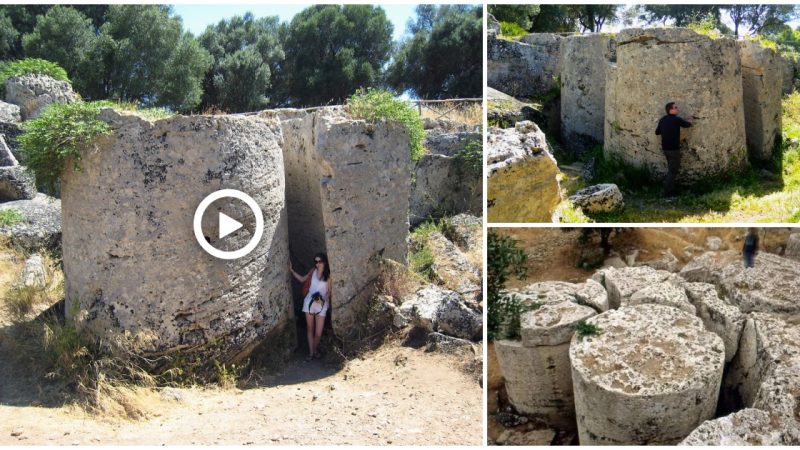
(326, 272)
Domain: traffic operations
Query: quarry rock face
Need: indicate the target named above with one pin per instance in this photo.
(762, 79)
(131, 261)
(718, 316)
(522, 183)
(348, 185)
(32, 93)
(702, 75)
(650, 375)
(528, 67)
(583, 85)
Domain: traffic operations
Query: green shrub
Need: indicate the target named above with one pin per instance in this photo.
(764, 42)
(470, 159)
(373, 105)
(10, 216)
(504, 260)
(59, 134)
(511, 30)
(10, 69)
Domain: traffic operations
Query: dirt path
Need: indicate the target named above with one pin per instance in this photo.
(395, 395)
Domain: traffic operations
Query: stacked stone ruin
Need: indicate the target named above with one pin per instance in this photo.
(613, 91)
(708, 355)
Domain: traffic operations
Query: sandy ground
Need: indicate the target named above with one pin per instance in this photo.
(395, 395)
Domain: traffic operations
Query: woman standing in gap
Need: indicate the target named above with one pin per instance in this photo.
(316, 301)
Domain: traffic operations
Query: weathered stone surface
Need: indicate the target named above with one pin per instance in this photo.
(131, 260)
(705, 268)
(668, 262)
(746, 427)
(10, 132)
(41, 227)
(793, 247)
(16, 184)
(452, 267)
(762, 80)
(704, 77)
(529, 67)
(713, 243)
(347, 193)
(9, 113)
(719, 317)
(552, 323)
(7, 157)
(522, 175)
(450, 144)
(435, 309)
(504, 111)
(492, 24)
(535, 437)
(664, 293)
(787, 85)
(33, 92)
(621, 284)
(444, 185)
(33, 273)
(467, 231)
(537, 381)
(593, 294)
(599, 198)
(583, 85)
(650, 376)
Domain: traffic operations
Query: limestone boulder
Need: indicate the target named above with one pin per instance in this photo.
(34, 272)
(435, 309)
(667, 261)
(719, 317)
(503, 110)
(592, 294)
(773, 285)
(492, 24)
(467, 231)
(762, 81)
(704, 77)
(599, 198)
(9, 113)
(451, 144)
(16, 184)
(664, 293)
(583, 81)
(132, 264)
(33, 92)
(788, 75)
(9, 132)
(522, 175)
(528, 67)
(707, 268)
(649, 375)
(7, 157)
(444, 184)
(40, 228)
(746, 427)
(452, 267)
(793, 247)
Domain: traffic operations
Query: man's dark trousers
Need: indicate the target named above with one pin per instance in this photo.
(673, 164)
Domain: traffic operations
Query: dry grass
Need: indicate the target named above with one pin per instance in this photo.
(396, 280)
(469, 113)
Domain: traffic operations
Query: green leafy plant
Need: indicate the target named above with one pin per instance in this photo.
(584, 329)
(373, 105)
(504, 260)
(59, 134)
(27, 66)
(511, 30)
(10, 216)
(470, 159)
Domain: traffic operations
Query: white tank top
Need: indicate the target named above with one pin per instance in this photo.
(318, 285)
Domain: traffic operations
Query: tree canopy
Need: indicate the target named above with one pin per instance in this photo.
(443, 56)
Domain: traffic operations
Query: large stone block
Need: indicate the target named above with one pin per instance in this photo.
(347, 194)
(746, 427)
(33, 92)
(522, 175)
(40, 228)
(583, 87)
(722, 318)
(131, 261)
(650, 376)
(529, 67)
(762, 78)
(703, 75)
(16, 184)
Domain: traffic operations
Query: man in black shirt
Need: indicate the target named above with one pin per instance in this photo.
(669, 128)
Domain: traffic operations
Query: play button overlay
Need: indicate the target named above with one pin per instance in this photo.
(227, 225)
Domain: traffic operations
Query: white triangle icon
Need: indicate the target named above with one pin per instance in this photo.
(227, 225)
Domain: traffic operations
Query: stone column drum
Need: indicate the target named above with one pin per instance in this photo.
(132, 264)
(651, 376)
(536, 368)
(703, 75)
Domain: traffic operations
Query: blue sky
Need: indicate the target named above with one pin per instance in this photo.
(197, 17)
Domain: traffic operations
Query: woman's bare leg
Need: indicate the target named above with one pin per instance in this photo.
(320, 324)
(310, 334)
